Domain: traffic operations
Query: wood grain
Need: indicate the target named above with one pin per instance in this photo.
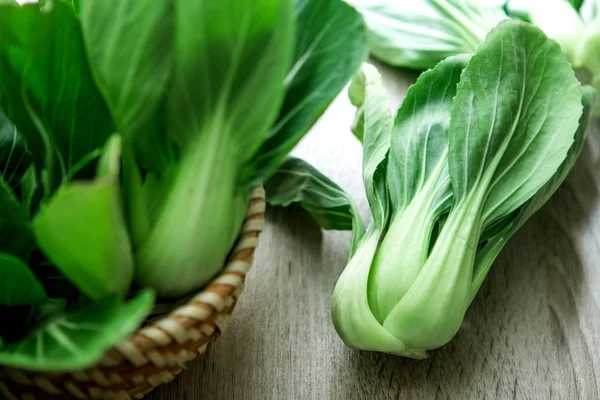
(533, 331)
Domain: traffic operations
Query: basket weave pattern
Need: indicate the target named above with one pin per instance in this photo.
(160, 350)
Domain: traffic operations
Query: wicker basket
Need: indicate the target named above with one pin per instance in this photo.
(160, 350)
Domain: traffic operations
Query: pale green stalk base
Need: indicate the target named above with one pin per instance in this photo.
(352, 317)
(402, 253)
(199, 221)
(431, 312)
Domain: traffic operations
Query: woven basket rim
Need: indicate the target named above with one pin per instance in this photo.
(158, 351)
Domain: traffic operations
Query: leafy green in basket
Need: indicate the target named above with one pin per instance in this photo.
(82, 229)
(18, 285)
(134, 132)
(77, 337)
(48, 91)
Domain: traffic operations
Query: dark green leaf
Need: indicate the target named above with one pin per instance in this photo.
(576, 3)
(420, 135)
(30, 192)
(20, 318)
(130, 46)
(77, 338)
(296, 182)
(330, 46)
(18, 285)
(14, 155)
(48, 90)
(14, 227)
(516, 99)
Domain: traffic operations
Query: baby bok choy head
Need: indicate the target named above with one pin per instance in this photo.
(477, 146)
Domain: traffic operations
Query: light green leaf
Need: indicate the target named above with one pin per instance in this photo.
(130, 46)
(297, 182)
(82, 231)
(418, 181)
(229, 70)
(77, 338)
(18, 285)
(516, 99)
(367, 93)
(330, 46)
(48, 90)
(419, 34)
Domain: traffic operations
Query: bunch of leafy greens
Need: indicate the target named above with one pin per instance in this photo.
(478, 145)
(419, 34)
(131, 133)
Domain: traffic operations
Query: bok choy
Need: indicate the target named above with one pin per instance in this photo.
(131, 134)
(478, 145)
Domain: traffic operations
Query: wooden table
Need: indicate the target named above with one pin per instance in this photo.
(533, 332)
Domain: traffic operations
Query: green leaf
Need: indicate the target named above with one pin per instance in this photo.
(418, 181)
(135, 200)
(14, 155)
(576, 4)
(229, 71)
(18, 285)
(544, 194)
(419, 34)
(297, 182)
(130, 46)
(420, 135)
(486, 256)
(30, 193)
(515, 100)
(77, 338)
(330, 46)
(48, 90)
(14, 227)
(83, 232)
(367, 94)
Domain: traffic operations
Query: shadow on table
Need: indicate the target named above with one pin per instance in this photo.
(295, 222)
(521, 337)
